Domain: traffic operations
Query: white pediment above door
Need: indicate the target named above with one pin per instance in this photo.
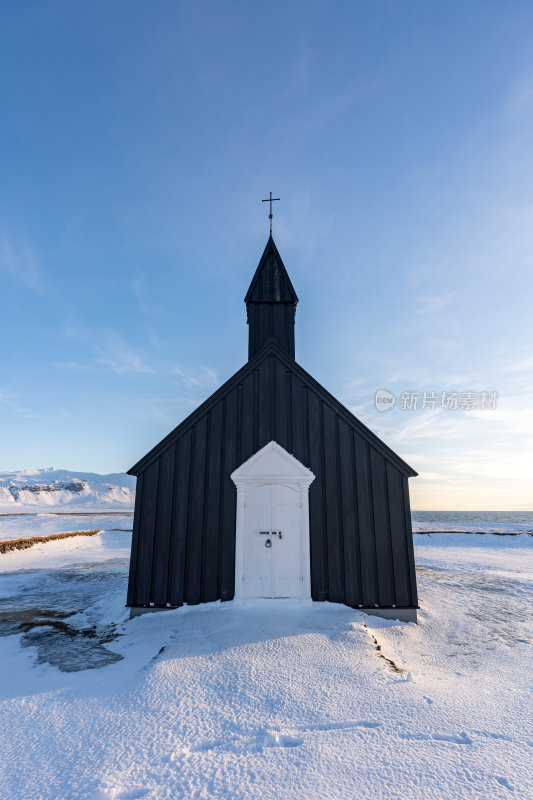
(275, 464)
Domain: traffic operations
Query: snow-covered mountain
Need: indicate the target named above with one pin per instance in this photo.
(61, 489)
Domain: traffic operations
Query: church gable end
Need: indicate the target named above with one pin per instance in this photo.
(360, 534)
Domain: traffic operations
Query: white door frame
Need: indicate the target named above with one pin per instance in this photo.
(272, 464)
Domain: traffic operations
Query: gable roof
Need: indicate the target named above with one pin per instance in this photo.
(271, 282)
(269, 350)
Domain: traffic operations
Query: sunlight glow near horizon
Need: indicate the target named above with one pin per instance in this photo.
(138, 143)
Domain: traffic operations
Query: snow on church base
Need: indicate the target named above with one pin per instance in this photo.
(269, 700)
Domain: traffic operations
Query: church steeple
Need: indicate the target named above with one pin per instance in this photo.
(271, 304)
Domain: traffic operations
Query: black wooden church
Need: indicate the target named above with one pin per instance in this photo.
(272, 488)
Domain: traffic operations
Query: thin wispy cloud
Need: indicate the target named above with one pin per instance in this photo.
(155, 340)
(518, 116)
(430, 304)
(10, 401)
(109, 349)
(523, 365)
(75, 365)
(204, 377)
(165, 411)
(439, 347)
(140, 292)
(19, 261)
(120, 356)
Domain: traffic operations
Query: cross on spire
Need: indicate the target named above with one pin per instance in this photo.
(271, 215)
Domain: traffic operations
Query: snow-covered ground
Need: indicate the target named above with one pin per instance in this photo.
(60, 489)
(269, 700)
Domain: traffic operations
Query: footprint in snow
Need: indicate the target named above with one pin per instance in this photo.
(457, 738)
(269, 739)
(238, 744)
(121, 794)
(504, 782)
(337, 726)
(178, 752)
(493, 735)
(280, 739)
(212, 744)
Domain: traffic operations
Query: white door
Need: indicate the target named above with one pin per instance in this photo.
(273, 542)
(272, 525)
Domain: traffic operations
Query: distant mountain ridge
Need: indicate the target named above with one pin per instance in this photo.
(60, 489)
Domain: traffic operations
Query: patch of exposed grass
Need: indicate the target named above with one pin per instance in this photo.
(23, 544)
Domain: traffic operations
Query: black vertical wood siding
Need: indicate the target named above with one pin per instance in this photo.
(183, 548)
(271, 321)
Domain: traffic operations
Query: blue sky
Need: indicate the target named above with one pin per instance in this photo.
(138, 140)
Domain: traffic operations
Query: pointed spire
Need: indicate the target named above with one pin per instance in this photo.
(271, 304)
(271, 282)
